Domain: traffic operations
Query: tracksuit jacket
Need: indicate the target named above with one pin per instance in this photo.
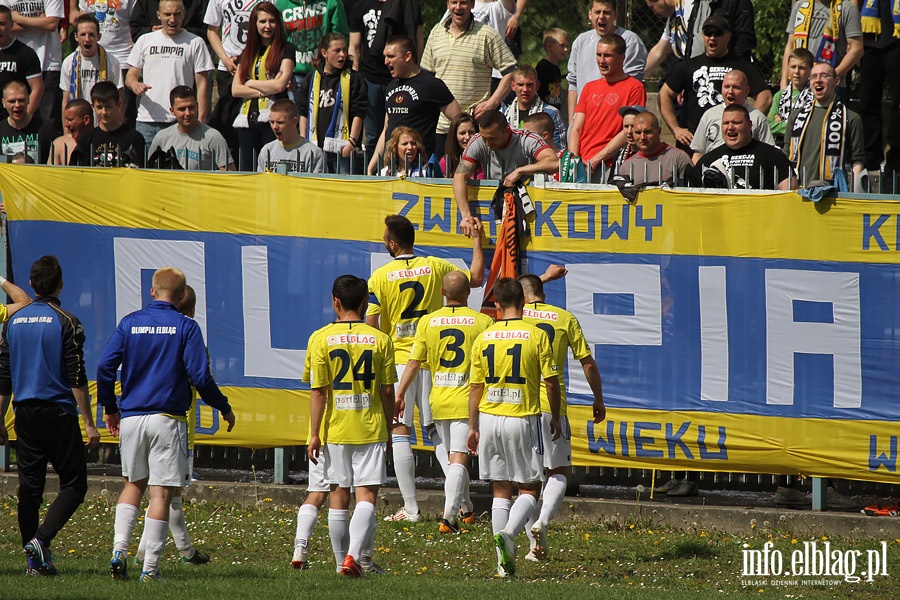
(162, 354)
(41, 355)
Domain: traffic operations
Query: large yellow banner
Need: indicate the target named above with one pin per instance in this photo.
(734, 332)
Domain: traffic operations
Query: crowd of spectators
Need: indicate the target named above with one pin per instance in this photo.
(371, 93)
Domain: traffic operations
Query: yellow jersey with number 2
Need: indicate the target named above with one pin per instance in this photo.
(402, 292)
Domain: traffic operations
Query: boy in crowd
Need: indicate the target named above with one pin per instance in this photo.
(111, 143)
(289, 148)
(88, 65)
(571, 169)
(800, 64)
(556, 47)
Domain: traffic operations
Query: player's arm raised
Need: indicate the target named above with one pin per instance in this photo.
(477, 269)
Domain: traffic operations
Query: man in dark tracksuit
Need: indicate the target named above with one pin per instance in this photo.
(42, 363)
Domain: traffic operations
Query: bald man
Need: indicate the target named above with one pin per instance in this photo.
(656, 161)
(708, 136)
(444, 340)
(162, 354)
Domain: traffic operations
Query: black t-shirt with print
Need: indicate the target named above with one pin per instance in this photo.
(417, 102)
(700, 78)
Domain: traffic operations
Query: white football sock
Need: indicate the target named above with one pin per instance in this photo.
(362, 525)
(440, 453)
(155, 532)
(453, 490)
(465, 500)
(519, 513)
(178, 527)
(307, 516)
(499, 517)
(405, 469)
(340, 536)
(531, 521)
(499, 514)
(142, 545)
(554, 494)
(126, 517)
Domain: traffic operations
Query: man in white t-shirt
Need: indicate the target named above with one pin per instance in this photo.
(88, 65)
(226, 29)
(35, 24)
(162, 60)
(114, 17)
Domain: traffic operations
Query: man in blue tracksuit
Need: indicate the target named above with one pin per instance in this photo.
(162, 354)
(42, 363)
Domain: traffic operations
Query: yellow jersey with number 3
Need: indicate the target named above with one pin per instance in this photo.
(564, 332)
(512, 358)
(352, 360)
(402, 292)
(444, 341)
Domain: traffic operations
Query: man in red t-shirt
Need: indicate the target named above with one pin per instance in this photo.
(596, 133)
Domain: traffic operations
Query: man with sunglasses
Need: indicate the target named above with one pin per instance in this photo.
(700, 78)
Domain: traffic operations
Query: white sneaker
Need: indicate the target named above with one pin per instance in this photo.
(300, 559)
(539, 531)
(402, 515)
(531, 557)
(370, 566)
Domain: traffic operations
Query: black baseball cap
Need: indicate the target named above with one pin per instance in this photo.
(716, 24)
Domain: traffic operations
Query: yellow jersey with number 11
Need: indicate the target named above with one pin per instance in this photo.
(512, 358)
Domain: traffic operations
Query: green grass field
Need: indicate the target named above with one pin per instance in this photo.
(251, 550)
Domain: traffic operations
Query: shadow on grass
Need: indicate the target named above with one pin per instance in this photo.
(690, 549)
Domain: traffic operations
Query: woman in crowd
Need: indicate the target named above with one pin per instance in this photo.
(405, 154)
(332, 104)
(462, 128)
(263, 75)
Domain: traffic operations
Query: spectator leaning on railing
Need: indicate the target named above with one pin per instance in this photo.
(742, 162)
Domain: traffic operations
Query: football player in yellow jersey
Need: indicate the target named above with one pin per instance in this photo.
(509, 360)
(444, 340)
(351, 376)
(565, 332)
(401, 293)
